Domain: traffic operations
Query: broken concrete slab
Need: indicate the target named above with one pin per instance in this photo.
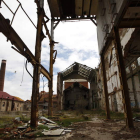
(47, 120)
(56, 132)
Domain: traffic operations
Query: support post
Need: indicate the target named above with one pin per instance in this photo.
(50, 109)
(90, 97)
(125, 93)
(105, 88)
(36, 73)
(133, 86)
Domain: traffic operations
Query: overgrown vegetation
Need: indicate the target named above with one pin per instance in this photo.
(42, 127)
(24, 119)
(68, 121)
(5, 121)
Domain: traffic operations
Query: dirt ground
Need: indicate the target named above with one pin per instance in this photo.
(98, 129)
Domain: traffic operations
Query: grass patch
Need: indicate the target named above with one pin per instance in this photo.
(5, 121)
(68, 121)
(116, 115)
(42, 127)
(24, 119)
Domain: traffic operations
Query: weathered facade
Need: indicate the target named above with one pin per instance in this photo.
(77, 71)
(10, 103)
(76, 96)
(131, 59)
(118, 45)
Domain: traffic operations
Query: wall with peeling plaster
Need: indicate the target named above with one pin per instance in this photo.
(113, 79)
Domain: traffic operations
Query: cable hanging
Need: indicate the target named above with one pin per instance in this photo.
(14, 13)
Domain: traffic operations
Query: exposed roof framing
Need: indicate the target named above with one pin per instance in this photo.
(131, 17)
(132, 48)
(80, 69)
(73, 9)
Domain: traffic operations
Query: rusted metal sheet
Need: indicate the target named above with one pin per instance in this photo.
(11, 35)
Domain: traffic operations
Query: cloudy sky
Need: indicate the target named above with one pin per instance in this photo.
(77, 43)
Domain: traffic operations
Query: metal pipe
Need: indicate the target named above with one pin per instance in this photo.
(8, 7)
(15, 13)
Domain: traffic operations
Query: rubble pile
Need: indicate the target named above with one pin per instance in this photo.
(23, 130)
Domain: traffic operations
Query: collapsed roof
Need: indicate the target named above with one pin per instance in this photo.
(79, 69)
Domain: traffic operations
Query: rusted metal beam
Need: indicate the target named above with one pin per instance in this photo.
(125, 92)
(105, 88)
(0, 3)
(83, 1)
(94, 22)
(78, 18)
(11, 35)
(130, 23)
(90, 7)
(56, 25)
(50, 109)
(36, 73)
(47, 31)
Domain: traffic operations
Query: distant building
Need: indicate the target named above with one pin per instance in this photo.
(44, 100)
(27, 105)
(10, 103)
(77, 80)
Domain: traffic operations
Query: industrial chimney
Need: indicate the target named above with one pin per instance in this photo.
(2, 74)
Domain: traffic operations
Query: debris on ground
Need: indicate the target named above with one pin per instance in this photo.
(93, 129)
(45, 120)
(25, 131)
(136, 119)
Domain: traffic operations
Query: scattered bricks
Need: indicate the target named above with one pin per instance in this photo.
(7, 129)
(15, 133)
(31, 136)
(26, 131)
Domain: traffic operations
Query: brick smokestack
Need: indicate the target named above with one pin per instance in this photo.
(2, 74)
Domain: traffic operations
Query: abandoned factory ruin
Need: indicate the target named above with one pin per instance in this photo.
(113, 85)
